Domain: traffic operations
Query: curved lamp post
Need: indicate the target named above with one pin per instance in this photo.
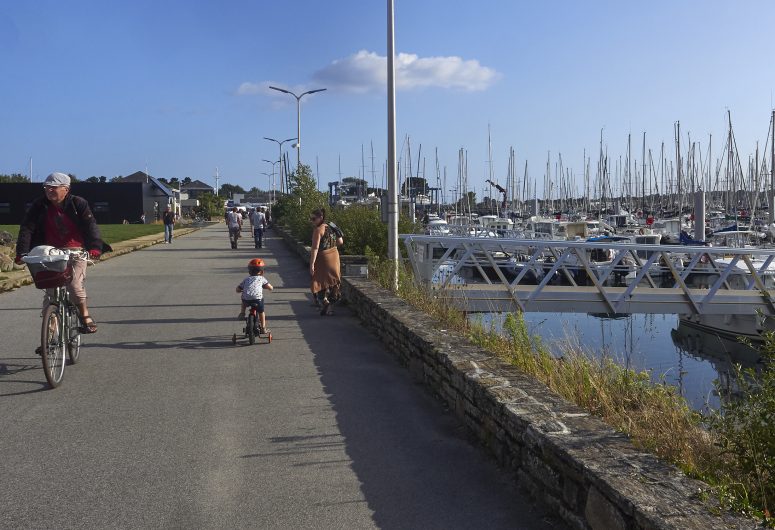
(271, 183)
(278, 142)
(298, 118)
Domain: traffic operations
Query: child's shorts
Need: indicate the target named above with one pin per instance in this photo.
(258, 304)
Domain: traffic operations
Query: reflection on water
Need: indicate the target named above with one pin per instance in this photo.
(672, 350)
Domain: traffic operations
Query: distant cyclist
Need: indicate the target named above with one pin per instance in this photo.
(63, 221)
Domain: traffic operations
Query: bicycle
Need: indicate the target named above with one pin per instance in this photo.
(60, 327)
(252, 328)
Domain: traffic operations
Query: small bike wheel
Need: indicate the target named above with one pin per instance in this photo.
(251, 329)
(74, 339)
(53, 346)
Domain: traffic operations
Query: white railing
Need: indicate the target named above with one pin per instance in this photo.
(498, 274)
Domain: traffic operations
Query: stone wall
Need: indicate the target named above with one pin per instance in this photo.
(588, 474)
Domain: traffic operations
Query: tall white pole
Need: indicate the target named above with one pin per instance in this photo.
(298, 134)
(393, 253)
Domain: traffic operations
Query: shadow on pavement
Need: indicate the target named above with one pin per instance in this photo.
(416, 465)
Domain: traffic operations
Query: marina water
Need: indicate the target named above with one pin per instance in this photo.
(672, 351)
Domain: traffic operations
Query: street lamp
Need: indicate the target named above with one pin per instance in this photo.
(278, 142)
(271, 183)
(298, 118)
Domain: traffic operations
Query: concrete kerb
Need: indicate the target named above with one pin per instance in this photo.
(590, 475)
(20, 277)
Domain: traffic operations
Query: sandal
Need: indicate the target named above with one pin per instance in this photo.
(88, 325)
(324, 308)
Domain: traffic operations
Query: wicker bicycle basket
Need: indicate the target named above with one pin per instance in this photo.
(50, 271)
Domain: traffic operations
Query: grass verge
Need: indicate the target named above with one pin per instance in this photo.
(110, 233)
(655, 416)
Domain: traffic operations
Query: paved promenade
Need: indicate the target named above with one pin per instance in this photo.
(164, 423)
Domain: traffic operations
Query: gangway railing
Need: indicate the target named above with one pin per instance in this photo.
(485, 274)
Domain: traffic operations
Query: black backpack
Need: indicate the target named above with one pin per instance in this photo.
(338, 234)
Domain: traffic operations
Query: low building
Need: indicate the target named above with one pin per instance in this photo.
(111, 203)
(127, 199)
(156, 196)
(196, 188)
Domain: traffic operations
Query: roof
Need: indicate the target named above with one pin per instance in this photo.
(196, 185)
(142, 176)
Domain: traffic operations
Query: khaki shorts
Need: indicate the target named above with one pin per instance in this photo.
(76, 287)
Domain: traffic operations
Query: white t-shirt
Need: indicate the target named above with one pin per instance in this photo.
(258, 219)
(253, 287)
(233, 219)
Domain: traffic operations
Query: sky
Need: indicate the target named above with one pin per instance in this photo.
(109, 87)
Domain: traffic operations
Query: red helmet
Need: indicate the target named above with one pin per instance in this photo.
(256, 262)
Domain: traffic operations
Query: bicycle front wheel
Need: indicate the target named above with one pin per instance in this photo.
(53, 346)
(74, 336)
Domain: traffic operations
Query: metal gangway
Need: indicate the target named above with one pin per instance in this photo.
(615, 275)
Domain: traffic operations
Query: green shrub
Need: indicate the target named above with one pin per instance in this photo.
(363, 229)
(744, 429)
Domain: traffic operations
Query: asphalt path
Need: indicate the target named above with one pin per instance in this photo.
(163, 423)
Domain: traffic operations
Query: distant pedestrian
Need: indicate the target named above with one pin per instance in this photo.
(169, 222)
(258, 221)
(234, 224)
(142, 218)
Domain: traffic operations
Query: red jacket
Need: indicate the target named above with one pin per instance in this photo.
(32, 229)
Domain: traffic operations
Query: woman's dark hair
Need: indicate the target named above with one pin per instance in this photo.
(320, 212)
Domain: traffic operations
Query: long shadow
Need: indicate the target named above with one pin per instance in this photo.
(193, 343)
(416, 465)
(167, 321)
(7, 370)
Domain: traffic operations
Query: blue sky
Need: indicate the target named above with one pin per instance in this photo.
(111, 87)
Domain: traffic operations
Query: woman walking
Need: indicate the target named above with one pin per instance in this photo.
(324, 262)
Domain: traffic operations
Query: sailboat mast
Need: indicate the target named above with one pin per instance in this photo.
(771, 210)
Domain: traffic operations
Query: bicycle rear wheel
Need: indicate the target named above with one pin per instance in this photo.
(251, 328)
(74, 339)
(53, 346)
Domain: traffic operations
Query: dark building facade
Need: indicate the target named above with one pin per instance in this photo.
(196, 188)
(111, 202)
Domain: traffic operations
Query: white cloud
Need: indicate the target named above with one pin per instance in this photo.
(251, 89)
(366, 71)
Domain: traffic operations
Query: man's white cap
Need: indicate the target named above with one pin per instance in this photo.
(57, 179)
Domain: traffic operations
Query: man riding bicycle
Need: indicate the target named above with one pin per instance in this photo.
(64, 221)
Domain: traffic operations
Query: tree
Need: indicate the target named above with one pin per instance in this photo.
(14, 177)
(414, 186)
(467, 202)
(187, 180)
(228, 190)
(209, 206)
(353, 186)
(293, 209)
